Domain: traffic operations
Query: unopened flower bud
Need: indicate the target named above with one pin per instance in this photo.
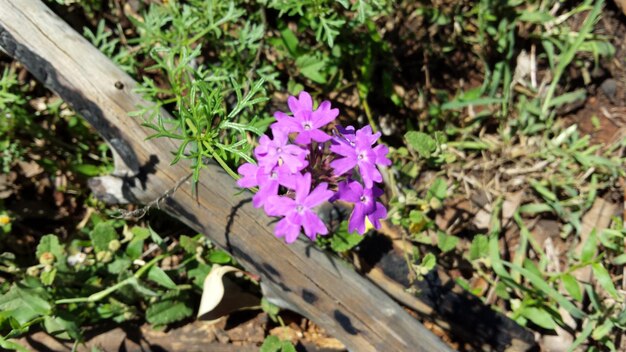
(46, 258)
(435, 204)
(4, 220)
(76, 259)
(104, 256)
(32, 271)
(114, 245)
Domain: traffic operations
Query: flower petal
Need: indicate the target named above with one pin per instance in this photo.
(266, 190)
(381, 152)
(313, 225)
(319, 136)
(319, 195)
(284, 228)
(324, 115)
(303, 103)
(303, 187)
(248, 171)
(286, 123)
(343, 165)
(293, 163)
(279, 205)
(343, 149)
(379, 213)
(368, 172)
(357, 219)
(350, 191)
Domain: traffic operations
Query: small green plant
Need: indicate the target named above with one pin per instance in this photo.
(274, 344)
(110, 272)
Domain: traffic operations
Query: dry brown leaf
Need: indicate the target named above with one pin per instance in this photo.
(221, 296)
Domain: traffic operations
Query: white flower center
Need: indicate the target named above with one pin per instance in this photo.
(299, 208)
(307, 126)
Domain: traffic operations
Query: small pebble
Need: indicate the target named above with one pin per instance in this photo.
(609, 87)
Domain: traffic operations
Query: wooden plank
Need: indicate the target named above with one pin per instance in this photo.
(298, 276)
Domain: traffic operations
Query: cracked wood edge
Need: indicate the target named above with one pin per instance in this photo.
(299, 276)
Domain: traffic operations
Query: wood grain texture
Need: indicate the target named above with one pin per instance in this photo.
(298, 276)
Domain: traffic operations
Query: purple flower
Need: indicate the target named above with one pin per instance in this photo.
(267, 181)
(302, 103)
(305, 121)
(298, 212)
(365, 205)
(345, 135)
(278, 152)
(359, 152)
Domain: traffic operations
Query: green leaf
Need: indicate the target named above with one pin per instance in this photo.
(571, 286)
(118, 265)
(47, 276)
(287, 346)
(134, 249)
(24, 304)
(620, 259)
(584, 334)
(87, 170)
(539, 317)
(621, 318)
(11, 345)
(461, 103)
(271, 344)
(159, 276)
(168, 311)
(602, 330)
(102, 235)
(50, 243)
(140, 233)
(424, 144)
(269, 308)
(532, 267)
(291, 41)
(604, 279)
(198, 274)
(219, 257)
(479, 247)
(328, 28)
(439, 188)
(544, 287)
(188, 244)
(155, 237)
(534, 16)
(61, 328)
(428, 262)
(446, 242)
(501, 291)
(544, 192)
(311, 67)
(589, 248)
(342, 240)
(141, 288)
(568, 98)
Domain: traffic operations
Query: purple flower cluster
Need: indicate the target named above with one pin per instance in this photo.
(301, 166)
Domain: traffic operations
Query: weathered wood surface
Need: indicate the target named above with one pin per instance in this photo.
(298, 276)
